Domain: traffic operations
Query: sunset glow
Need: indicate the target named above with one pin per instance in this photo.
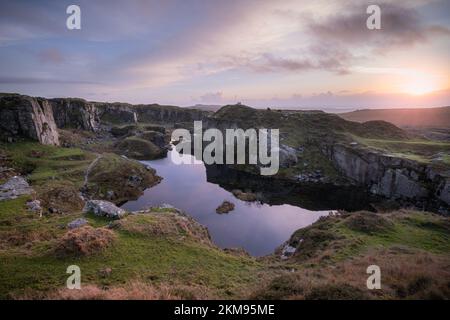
(310, 54)
(421, 84)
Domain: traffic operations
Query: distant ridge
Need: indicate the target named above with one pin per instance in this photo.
(411, 117)
(206, 107)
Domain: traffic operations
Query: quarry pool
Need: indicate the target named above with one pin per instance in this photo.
(257, 227)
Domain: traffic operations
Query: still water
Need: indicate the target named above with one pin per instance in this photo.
(256, 227)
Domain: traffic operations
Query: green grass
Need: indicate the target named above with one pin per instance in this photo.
(31, 263)
(417, 150)
(133, 256)
(418, 230)
(44, 163)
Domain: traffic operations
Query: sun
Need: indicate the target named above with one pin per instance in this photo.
(419, 85)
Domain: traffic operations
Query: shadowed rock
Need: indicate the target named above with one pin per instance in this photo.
(27, 117)
(14, 187)
(103, 208)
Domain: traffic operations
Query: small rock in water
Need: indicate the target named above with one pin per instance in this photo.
(104, 209)
(225, 207)
(77, 223)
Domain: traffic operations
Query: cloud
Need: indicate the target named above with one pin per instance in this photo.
(179, 49)
(212, 97)
(400, 26)
(51, 55)
(32, 80)
(346, 101)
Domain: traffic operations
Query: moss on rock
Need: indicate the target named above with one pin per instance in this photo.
(117, 179)
(138, 148)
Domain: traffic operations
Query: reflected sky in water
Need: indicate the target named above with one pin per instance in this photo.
(258, 228)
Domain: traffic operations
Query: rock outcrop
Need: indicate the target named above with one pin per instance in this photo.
(75, 113)
(118, 179)
(117, 113)
(122, 113)
(137, 148)
(162, 114)
(27, 117)
(389, 176)
(103, 208)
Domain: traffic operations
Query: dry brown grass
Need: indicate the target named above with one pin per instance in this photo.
(23, 237)
(84, 241)
(62, 197)
(405, 274)
(133, 290)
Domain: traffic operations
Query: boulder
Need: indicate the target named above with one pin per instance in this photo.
(77, 223)
(104, 209)
(34, 206)
(287, 251)
(14, 187)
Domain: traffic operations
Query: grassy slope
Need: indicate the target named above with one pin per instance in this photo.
(411, 248)
(28, 262)
(31, 264)
(419, 150)
(43, 163)
(419, 117)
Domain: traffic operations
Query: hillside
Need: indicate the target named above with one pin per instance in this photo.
(420, 117)
(162, 253)
(206, 107)
(318, 147)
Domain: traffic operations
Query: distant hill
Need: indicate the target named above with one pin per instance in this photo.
(421, 117)
(206, 107)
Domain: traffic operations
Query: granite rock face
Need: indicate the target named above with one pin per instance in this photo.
(75, 113)
(104, 209)
(117, 113)
(389, 176)
(123, 113)
(27, 117)
(161, 114)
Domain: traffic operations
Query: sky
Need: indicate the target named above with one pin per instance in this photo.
(280, 54)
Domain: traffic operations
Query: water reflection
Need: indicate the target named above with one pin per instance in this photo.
(257, 227)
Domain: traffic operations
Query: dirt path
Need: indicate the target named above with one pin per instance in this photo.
(89, 169)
